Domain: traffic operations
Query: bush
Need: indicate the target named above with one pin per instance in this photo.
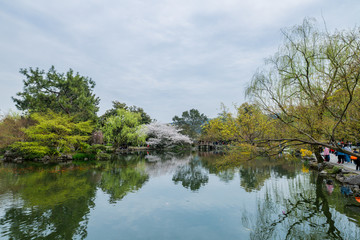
(97, 148)
(11, 127)
(82, 156)
(335, 170)
(305, 153)
(32, 150)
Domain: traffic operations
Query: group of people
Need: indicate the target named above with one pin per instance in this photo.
(343, 157)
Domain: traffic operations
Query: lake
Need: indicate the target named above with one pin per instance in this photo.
(172, 196)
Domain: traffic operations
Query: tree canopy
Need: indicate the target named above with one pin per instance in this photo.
(53, 134)
(165, 136)
(190, 122)
(145, 118)
(123, 129)
(62, 93)
(310, 85)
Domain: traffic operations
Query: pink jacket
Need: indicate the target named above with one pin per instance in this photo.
(326, 151)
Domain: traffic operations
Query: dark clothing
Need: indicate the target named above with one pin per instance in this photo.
(357, 162)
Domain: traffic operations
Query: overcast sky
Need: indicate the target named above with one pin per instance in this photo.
(166, 56)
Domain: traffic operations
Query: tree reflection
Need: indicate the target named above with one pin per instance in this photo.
(303, 213)
(118, 180)
(226, 175)
(191, 175)
(52, 203)
(253, 178)
(254, 173)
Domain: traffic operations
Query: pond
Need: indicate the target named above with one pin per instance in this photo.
(167, 196)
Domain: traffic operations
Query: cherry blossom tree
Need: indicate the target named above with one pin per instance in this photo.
(165, 136)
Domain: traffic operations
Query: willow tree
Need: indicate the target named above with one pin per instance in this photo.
(310, 84)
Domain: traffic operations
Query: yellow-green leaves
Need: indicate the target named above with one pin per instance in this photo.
(53, 134)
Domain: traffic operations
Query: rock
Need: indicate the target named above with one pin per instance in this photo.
(355, 189)
(9, 156)
(18, 160)
(353, 180)
(340, 178)
(323, 173)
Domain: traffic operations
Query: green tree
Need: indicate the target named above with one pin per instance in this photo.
(248, 126)
(310, 84)
(62, 93)
(145, 118)
(123, 129)
(53, 134)
(190, 122)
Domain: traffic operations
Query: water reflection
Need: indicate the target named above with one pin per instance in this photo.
(46, 204)
(118, 179)
(192, 175)
(260, 199)
(298, 212)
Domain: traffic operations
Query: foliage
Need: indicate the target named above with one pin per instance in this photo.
(118, 181)
(10, 129)
(335, 170)
(191, 175)
(248, 126)
(310, 85)
(33, 150)
(67, 93)
(190, 122)
(83, 156)
(164, 136)
(123, 129)
(56, 203)
(145, 118)
(53, 134)
(305, 153)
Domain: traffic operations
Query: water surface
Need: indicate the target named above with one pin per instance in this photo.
(167, 196)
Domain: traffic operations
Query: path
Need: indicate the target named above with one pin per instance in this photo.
(334, 159)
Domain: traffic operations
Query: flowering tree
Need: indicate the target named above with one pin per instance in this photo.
(165, 136)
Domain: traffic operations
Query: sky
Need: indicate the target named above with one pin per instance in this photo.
(165, 56)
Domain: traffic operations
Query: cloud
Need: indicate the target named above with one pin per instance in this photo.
(163, 55)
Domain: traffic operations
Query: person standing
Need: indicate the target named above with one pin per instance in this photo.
(341, 156)
(357, 161)
(327, 154)
(347, 156)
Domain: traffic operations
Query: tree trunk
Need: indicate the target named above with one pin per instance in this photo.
(317, 151)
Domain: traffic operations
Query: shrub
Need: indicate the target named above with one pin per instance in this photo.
(11, 127)
(82, 156)
(305, 153)
(32, 150)
(53, 134)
